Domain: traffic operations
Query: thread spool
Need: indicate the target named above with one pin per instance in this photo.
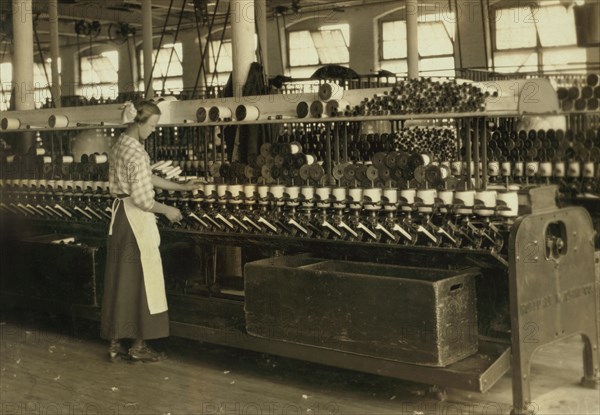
(445, 198)
(222, 192)
(426, 198)
(486, 202)
(323, 196)
(355, 197)
(574, 169)
(250, 194)
(100, 158)
(407, 199)
(39, 151)
(506, 169)
(532, 168)
(317, 110)
(310, 159)
(10, 159)
(308, 195)
(97, 186)
(559, 169)
(201, 114)
(58, 121)
(338, 194)
(291, 194)
(335, 106)
(47, 159)
(546, 169)
(302, 109)
(372, 198)
(588, 170)
(67, 159)
(295, 147)
(276, 191)
(51, 184)
(511, 201)
(466, 198)
(210, 191)
(456, 168)
(10, 123)
(329, 91)
(235, 194)
(519, 169)
(494, 168)
(219, 113)
(263, 191)
(246, 112)
(390, 199)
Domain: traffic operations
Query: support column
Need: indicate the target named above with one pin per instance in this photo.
(54, 53)
(261, 20)
(242, 39)
(147, 45)
(412, 38)
(23, 87)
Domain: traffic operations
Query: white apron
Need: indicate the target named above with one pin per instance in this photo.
(143, 225)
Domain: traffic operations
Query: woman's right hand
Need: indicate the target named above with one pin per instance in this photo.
(173, 214)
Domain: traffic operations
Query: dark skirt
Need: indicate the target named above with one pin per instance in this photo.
(125, 312)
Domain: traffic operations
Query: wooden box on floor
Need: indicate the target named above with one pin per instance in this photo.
(415, 315)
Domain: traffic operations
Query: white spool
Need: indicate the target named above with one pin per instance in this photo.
(519, 168)
(588, 169)
(355, 196)
(310, 159)
(263, 191)
(426, 159)
(222, 190)
(466, 198)
(390, 199)
(546, 169)
(210, 191)
(101, 158)
(247, 112)
(510, 200)
(276, 191)
(323, 195)
(78, 185)
(10, 123)
(249, 193)
(559, 169)
(308, 195)
(574, 169)
(494, 168)
(372, 198)
(58, 121)
(506, 168)
(295, 147)
(219, 113)
(47, 159)
(292, 192)
(532, 168)
(456, 168)
(486, 202)
(235, 193)
(445, 198)
(67, 159)
(329, 91)
(427, 198)
(40, 151)
(10, 159)
(407, 199)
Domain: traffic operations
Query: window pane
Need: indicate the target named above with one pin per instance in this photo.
(518, 61)
(394, 40)
(515, 28)
(225, 60)
(434, 40)
(331, 46)
(399, 67)
(103, 68)
(556, 26)
(302, 49)
(569, 59)
(437, 67)
(344, 27)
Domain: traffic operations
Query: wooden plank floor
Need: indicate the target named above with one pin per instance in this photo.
(49, 367)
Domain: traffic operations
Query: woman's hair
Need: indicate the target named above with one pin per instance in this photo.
(145, 109)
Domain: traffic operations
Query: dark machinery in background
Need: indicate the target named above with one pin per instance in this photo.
(413, 231)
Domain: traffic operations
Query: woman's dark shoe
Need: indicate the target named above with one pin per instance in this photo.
(116, 351)
(145, 353)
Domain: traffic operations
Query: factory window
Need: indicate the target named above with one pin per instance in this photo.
(538, 38)
(328, 45)
(220, 62)
(99, 75)
(5, 85)
(436, 45)
(167, 76)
